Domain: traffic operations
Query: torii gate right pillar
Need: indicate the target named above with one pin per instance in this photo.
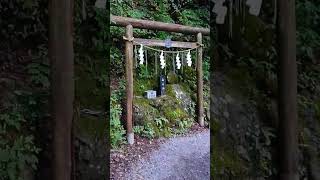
(200, 82)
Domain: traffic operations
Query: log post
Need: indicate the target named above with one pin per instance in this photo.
(287, 91)
(129, 82)
(62, 84)
(200, 82)
(156, 25)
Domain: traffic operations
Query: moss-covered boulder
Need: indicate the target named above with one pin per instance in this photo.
(172, 78)
(182, 97)
(170, 108)
(143, 111)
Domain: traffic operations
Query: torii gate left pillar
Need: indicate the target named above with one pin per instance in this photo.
(129, 82)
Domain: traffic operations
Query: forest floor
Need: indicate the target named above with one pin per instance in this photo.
(181, 157)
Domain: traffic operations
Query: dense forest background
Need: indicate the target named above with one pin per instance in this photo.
(244, 85)
(25, 120)
(245, 93)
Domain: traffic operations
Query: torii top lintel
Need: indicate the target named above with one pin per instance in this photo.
(155, 25)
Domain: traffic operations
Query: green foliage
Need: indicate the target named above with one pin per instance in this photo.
(17, 150)
(23, 51)
(141, 85)
(184, 125)
(145, 130)
(39, 74)
(161, 121)
(163, 127)
(144, 72)
(189, 77)
(117, 131)
(195, 17)
(226, 163)
(206, 69)
(308, 41)
(260, 143)
(116, 61)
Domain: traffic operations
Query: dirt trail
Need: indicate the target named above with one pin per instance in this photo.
(178, 158)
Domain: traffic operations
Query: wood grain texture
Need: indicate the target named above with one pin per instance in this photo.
(161, 43)
(129, 77)
(155, 25)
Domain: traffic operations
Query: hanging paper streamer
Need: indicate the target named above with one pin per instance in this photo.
(178, 61)
(220, 10)
(141, 56)
(255, 6)
(162, 61)
(189, 62)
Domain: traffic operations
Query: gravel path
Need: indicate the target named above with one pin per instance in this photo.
(179, 158)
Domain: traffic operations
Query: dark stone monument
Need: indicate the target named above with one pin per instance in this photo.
(162, 85)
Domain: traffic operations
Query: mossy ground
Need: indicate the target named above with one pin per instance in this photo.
(225, 163)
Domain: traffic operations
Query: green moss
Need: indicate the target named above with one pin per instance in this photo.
(189, 75)
(142, 85)
(172, 78)
(226, 163)
(148, 112)
(169, 90)
(174, 113)
(141, 102)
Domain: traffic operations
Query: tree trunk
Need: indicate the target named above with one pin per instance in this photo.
(287, 91)
(62, 84)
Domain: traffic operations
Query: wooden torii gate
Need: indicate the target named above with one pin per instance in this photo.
(131, 23)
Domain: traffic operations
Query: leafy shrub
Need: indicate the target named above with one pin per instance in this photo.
(17, 151)
(184, 125)
(145, 131)
(117, 131)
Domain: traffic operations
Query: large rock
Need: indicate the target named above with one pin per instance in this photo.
(183, 97)
(143, 111)
(235, 122)
(172, 78)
